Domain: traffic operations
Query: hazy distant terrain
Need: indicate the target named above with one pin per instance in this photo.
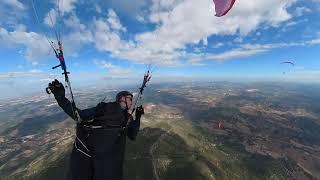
(271, 131)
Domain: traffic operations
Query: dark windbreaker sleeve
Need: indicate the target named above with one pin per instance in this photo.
(66, 105)
(133, 128)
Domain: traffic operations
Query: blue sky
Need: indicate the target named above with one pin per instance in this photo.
(112, 42)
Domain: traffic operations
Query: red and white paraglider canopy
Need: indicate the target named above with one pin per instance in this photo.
(222, 7)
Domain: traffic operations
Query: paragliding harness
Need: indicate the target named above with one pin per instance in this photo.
(122, 129)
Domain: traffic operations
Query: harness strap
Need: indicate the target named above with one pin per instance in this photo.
(78, 149)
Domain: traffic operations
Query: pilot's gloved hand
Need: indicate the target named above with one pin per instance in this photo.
(139, 112)
(57, 89)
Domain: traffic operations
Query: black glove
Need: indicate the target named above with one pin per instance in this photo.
(139, 112)
(57, 89)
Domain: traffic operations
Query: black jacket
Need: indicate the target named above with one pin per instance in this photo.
(98, 153)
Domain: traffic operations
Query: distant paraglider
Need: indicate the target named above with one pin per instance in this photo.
(290, 63)
(222, 7)
(218, 125)
(221, 125)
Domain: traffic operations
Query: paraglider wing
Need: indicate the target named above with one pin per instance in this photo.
(222, 7)
(220, 125)
(288, 62)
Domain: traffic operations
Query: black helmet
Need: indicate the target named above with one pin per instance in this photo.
(123, 93)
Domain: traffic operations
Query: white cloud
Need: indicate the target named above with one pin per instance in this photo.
(140, 18)
(299, 11)
(11, 11)
(218, 45)
(238, 40)
(23, 74)
(314, 41)
(74, 22)
(73, 41)
(246, 50)
(79, 35)
(106, 35)
(35, 71)
(51, 18)
(66, 6)
(235, 53)
(114, 21)
(105, 38)
(36, 44)
(130, 8)
(103, 64)
(46, 80)
(98, 8)
(14, 4)
(120, 72)
(177, 27)
(114, 71)
(292, 23)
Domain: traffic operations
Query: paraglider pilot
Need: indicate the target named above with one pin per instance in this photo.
(99, 146)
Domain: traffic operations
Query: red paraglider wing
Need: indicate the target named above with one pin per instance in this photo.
(222, 7)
